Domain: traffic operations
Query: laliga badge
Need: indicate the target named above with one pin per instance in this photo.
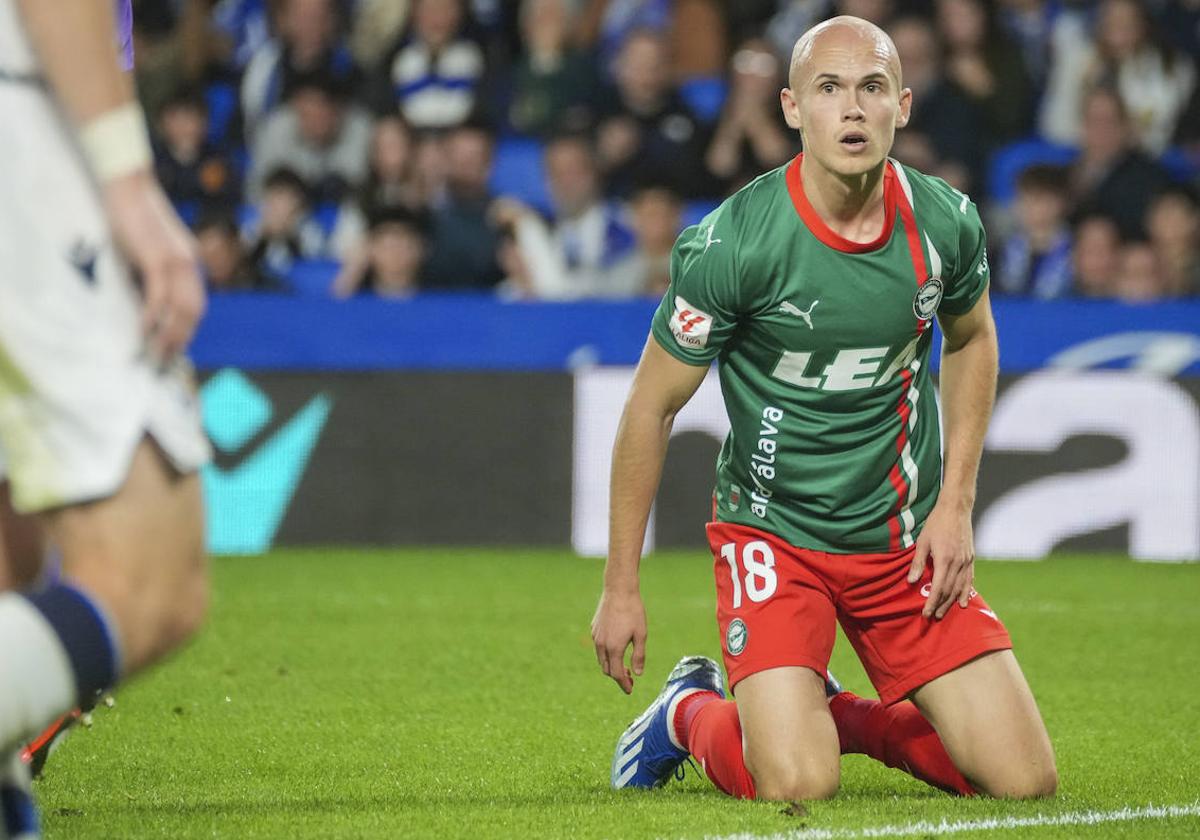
(927, 299)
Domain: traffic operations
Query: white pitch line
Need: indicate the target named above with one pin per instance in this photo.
(924, 828)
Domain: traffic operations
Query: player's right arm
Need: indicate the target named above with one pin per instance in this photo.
(697, 315)
(75, 44)
(662, 385)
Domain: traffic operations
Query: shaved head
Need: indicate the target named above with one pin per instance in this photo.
(844, 30)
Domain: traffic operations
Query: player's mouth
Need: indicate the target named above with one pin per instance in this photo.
(853, 141)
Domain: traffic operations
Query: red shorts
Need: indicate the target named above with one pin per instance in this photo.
(776, 606)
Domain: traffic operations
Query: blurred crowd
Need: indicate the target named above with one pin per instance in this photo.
(553, 149)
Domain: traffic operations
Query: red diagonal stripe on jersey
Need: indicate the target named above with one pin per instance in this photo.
(914, 249)
(897, 478)
(904, 409)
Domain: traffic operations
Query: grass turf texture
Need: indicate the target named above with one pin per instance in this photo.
(455, 694)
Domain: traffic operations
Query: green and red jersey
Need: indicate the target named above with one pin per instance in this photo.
(822, 347)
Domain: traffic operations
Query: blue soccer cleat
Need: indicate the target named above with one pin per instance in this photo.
(18, 817)
(647, 753)
(832, 687)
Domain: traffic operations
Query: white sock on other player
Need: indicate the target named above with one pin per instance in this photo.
(57, 650)
(37, 682)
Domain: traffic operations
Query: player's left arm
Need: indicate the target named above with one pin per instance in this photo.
(970, 361)
(970, 364)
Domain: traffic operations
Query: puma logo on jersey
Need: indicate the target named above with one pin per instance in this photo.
(710, 241)
(805, 315)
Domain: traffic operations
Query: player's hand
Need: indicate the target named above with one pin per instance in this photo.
(947, 542)
(620, 620)
(164, 254)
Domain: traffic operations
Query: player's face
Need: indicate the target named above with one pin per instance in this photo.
(847, 101)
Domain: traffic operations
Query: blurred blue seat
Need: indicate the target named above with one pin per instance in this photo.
(705, 95)
(517, 171)
(312, 278)
(325, 215)
(222, 99)
(1179, 165)
(188, 211)
(694, 211)
(1008, 162)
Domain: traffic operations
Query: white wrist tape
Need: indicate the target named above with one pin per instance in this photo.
(115, 143)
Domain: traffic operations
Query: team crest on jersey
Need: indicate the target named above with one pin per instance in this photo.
(928, 298)
(736, 636)
(689, 325)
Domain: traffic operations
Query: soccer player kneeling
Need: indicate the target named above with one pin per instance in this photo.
(814, 288)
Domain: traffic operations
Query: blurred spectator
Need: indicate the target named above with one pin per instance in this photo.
(553, 82)
(656, 215)
(751, 136)
(188, 167)
(1174, 227)
(1111, 176)
(242, 27)
(1179, 20)
(1096, 255)
(574, 257)
(647, 131)
(226, 265)
(390, 182)
(307, 44)
(169, 49)
(1036, 260)
(377, 24)
(1153, 79)
(699, 42)
(1140, 278)
(1187, 132)
(395, 250)
(986, 66)
(605, 25)
(284, 231)
(1031, 25)
(462, 250)
(940, 110)
(795, 17)
(517, 283)
(434, 73)
(320, 135)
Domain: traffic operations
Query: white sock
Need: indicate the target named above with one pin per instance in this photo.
(37, 683)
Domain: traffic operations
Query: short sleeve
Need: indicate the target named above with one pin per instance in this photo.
(971, 270)
(699, 311)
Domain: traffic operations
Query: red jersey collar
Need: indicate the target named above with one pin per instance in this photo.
(822, 231)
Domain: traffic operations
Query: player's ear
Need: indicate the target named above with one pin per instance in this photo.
(905, 107)
(791, 110)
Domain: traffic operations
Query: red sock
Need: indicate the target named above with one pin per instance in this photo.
(900, 737)
(710, 729)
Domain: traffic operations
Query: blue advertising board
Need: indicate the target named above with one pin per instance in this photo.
(467, 332)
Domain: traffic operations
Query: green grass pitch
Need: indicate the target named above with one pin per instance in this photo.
(454, 693)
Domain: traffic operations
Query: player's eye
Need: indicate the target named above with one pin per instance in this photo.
(828, 87)
(873, 87)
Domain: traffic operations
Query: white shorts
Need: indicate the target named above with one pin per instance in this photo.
(78, 391)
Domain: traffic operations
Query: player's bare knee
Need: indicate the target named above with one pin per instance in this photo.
(786, 778)
(797, 785)
(1034, 782)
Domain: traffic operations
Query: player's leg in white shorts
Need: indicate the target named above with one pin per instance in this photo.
(22, 549)
(103, 442)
